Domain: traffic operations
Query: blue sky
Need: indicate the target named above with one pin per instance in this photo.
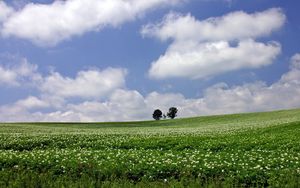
(119, 60)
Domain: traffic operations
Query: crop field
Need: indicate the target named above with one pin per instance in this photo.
(240, 150)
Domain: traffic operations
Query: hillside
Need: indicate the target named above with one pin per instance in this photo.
(254, 149)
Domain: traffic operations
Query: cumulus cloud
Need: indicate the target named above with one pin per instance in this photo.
(258, 96)
(5, 12)
(164, 101)
(202, 60)
(201, 49)
(86, 84)
(293, 76)
(32, 102)
(19, 74)
(233, 26)
(56, 93)
(123, 104)
(49, 24)
(250, 97)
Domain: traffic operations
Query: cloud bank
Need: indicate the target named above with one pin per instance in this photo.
(201, 49)
(122, 104)
(49, 24)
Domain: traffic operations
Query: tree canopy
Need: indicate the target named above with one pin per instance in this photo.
(172, 112)
(157, 114)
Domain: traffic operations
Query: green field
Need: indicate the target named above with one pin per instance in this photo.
(248, 150)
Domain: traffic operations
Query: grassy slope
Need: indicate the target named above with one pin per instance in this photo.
(245, 149)
(203, 123)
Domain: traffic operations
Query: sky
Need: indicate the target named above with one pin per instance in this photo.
(119, 60)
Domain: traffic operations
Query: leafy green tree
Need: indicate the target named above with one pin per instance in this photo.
(172, 112)
(157, 114)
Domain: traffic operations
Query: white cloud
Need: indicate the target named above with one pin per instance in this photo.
(49, 24)
(123, 104)
(5, 12)
(202, 60)
(32, 102)
(250, 97)
(56, 92)
(164, 101)
(293, 76)
(201, 49)
(233, 26)
(19, 74)
(258, 96)
(87, 84)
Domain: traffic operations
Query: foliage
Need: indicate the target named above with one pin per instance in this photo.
(157, 114)
(241, 150)
(172, 112)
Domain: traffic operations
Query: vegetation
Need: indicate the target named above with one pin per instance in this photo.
(248, 150)
(172, 112)
(157, 114)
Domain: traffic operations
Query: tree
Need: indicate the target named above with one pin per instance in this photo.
(157, 114)
(172, 112)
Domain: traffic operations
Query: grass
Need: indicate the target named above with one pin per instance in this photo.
(248, 150)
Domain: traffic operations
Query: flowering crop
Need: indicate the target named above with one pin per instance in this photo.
(245, 150)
